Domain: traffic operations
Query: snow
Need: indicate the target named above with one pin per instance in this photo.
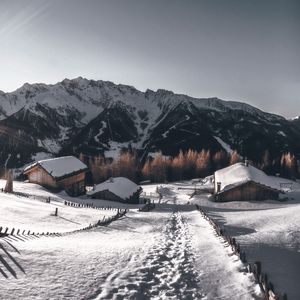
(89, 97)
(170, 252)
(61, 166)
(28, 214)
(239, 173)
(41, 156)
(120, 186)
(155, 154)
(101, 130)
(224, 145)
(269, 232)
(115, 149)
(155, 255)
(282, 133)
(50, 145)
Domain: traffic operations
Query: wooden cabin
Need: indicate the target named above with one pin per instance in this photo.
(243, 182)
(62, 173)
(118, 189)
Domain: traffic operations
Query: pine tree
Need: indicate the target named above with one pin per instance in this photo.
(159, 168)
(220, 160)
(288, 165)
(189, 170)
(267, 162)
(203, 164)
(178, 163)
(234, 158)
(146, 170)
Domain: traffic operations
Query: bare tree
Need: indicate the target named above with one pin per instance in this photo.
(9, 182)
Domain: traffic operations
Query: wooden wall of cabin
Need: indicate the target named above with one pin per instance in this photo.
(107, 195)
(74, 185)
(247, 192)
(71, 179)
(40, 176)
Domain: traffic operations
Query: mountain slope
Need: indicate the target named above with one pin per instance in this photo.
(98, 117)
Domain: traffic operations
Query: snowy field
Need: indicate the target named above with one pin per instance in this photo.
(37, 216)
(268, 232)
(157, 255)
(167, 253)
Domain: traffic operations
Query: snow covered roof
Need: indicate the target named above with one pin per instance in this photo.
(240, 173)
(59, 167)
(120, 186)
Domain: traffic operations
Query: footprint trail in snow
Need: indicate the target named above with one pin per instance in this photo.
(167, 272)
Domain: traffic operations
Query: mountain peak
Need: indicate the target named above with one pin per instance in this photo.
(100, 117)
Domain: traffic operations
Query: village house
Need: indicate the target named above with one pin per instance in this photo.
(62, 173)
(119, 189)
(243, 182)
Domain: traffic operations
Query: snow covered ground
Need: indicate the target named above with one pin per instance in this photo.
(38, 216)
(269, 232)
(168, 253)
(158, 255)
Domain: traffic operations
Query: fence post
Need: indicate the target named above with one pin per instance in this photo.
(56, 210)
(257, 269)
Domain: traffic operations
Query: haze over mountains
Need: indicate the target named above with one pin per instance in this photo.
(100, 117)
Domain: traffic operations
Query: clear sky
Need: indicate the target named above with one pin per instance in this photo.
(243, 50)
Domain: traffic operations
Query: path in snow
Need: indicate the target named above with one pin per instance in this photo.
(166, 272)
(154, 255)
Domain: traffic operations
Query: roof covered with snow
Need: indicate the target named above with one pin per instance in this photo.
(120, 186)
(59, 167)
(241, 173)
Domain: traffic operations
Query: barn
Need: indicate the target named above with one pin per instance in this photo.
(62, 173)
(243, 182)
(119, 189)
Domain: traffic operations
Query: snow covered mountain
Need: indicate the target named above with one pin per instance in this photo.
(95, 117)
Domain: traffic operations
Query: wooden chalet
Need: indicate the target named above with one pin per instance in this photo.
(118, 189)
(243, 182)
(62, 173)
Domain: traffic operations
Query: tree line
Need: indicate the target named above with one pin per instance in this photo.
(185, 165)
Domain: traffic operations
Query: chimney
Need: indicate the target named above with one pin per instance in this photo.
(111, 179)
(218, 187)
(246, 162)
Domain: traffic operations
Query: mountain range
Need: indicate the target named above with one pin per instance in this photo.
(100, 117)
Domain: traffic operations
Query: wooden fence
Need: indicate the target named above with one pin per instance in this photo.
(90, 205)
(255, 268)
(46, 199)
(4, 232)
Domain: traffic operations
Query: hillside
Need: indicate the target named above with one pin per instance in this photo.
(98, 117)
(158, 254)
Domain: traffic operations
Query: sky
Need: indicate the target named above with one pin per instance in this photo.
(242, 50)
